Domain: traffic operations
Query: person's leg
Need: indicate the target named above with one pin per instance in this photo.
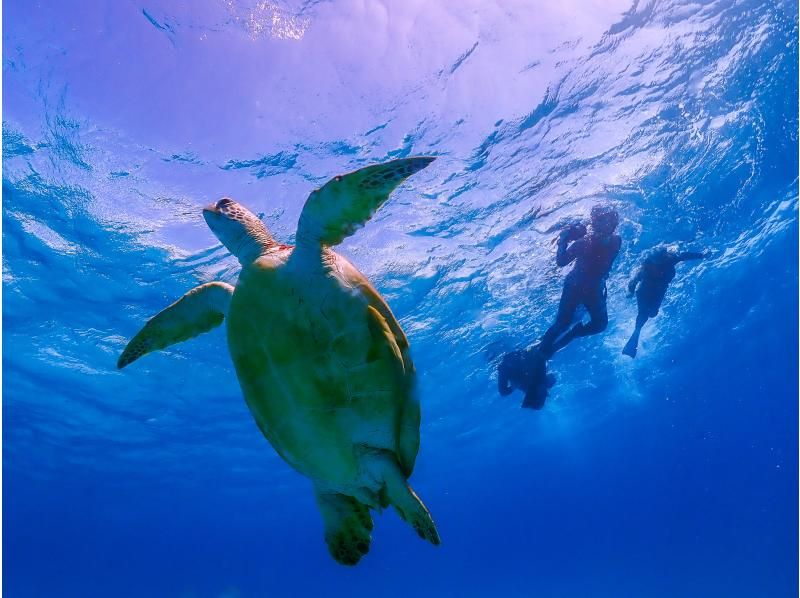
(566, 311)
(598, 312)
(633, 343)
(596, 306)
(649, 302)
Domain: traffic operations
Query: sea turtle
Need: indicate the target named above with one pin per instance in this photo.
(323, 364)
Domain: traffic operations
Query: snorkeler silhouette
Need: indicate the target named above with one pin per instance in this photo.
(525, 370)
(594, 253)
(653, 278)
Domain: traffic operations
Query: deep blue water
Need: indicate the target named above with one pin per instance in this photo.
(674, 474)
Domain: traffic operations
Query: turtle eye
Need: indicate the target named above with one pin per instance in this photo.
(224, 203)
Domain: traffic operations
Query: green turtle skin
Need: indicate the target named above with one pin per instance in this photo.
(323, 364)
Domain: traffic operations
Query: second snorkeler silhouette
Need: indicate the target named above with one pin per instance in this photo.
(594, 253)
(525, 370)
(652, 279)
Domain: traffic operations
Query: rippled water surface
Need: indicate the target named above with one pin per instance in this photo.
(671, 475)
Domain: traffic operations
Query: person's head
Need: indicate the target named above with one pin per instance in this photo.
(604, 219)
(664, 250)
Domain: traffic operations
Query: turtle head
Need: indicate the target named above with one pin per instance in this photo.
(238, 229)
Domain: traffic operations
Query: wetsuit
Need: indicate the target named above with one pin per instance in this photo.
(525, 370)
(653, 278)
(584, 285)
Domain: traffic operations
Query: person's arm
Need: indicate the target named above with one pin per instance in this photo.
(567, 253)
(690, 255)
(635, 281)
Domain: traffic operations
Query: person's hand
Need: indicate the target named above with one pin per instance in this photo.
(573, 232)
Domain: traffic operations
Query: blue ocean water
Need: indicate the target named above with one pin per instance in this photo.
(674, 474)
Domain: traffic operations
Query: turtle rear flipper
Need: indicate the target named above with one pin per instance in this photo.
(198, 311)
(345, 203)
(383, 465)
(347, 526)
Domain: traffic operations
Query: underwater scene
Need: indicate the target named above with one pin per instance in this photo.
(419, 298)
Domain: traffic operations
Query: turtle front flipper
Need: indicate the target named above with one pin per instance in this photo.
(347, 526)
(198, 311)
(345, 203)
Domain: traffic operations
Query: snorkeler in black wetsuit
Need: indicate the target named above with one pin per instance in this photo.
(594, 254)
(653, 278)
(525, 370)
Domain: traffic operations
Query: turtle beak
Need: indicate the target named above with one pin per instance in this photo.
(214, 208)
(211, 216)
